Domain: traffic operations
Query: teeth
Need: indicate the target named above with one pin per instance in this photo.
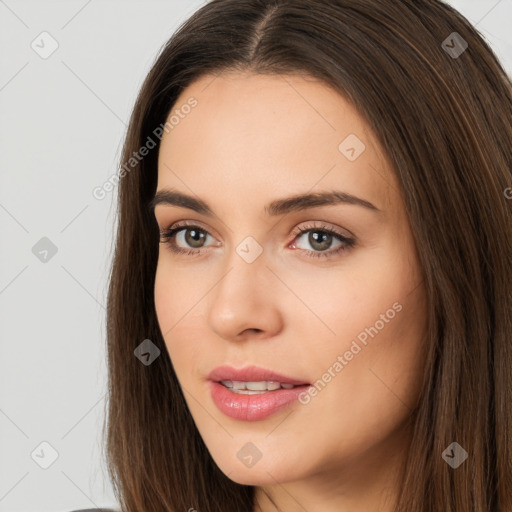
(262, 386)
(251, 388)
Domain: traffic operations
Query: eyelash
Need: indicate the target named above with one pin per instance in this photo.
(169, 240)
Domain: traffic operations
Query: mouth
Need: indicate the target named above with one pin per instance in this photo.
(256, 387)
(252, 393)
(253, 379)
(256, 399)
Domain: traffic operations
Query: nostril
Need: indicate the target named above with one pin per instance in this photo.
(253, 330)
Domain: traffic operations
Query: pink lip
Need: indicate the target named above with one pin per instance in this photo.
(251, 374)
(252, 407)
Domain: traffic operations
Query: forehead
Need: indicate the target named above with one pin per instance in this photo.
(271, 132)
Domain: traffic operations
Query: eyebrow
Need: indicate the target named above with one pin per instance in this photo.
(275, 208)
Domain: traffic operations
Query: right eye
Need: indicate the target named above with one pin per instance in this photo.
(177, 237)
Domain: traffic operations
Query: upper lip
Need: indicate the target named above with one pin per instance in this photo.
(251, 374)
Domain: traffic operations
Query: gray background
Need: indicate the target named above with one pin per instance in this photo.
(63, 119)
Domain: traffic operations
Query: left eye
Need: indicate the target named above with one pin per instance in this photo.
(320, 239)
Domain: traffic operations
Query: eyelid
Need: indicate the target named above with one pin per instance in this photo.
(322, 225)
(347, 241)
(297, 230)
(189, 223)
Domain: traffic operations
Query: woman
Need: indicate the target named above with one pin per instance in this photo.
(325, 323)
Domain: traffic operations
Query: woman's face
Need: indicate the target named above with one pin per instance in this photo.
(346, 317)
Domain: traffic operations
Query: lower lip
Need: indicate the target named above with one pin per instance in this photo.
(253, 407)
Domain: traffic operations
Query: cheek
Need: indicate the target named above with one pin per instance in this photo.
(381, 384)
(163, 297)
(344, 300)
(374, 386)
(172, 293)
(373, 315)
(178, 316)
(167, 301)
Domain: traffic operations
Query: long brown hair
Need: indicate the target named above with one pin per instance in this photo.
(443, 113)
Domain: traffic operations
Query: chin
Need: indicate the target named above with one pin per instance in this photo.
(262, 473)
(251, 476)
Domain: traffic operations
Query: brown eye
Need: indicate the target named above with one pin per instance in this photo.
(190, 242)
(194, 237)
(320, 239)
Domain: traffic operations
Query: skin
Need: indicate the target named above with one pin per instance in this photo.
(252, 139)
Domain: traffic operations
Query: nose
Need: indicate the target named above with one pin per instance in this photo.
(245, 302)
